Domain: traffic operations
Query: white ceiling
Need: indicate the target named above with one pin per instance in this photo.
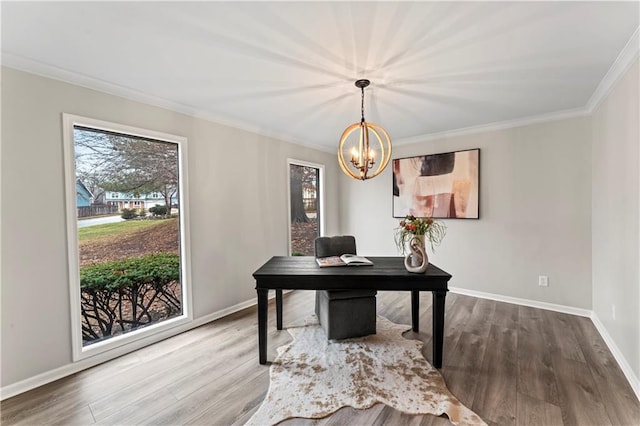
(288, 69)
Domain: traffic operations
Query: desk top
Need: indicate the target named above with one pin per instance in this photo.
(387, 273)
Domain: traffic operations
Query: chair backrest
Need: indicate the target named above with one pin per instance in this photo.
(335, 246)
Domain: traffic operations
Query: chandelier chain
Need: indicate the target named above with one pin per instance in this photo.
(362, 105)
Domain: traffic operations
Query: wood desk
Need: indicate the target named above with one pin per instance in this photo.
(386, 274)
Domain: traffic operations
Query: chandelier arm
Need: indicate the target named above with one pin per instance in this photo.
(361, 144)
(341, 160)
(385, 154)
(378, 170)
(367, 150)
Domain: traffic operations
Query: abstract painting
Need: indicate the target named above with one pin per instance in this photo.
(438, 185)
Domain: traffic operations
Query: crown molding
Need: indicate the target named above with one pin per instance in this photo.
(500, 125)
(48, 71)
(621, 65)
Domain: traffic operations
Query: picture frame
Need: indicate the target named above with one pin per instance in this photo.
(441, 186)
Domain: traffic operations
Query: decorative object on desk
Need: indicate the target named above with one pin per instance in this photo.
(417, 261)
(313, 377)
(363, 155)
(439, 185)
(412, 233)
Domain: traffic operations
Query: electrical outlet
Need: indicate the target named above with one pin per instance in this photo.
(543, 281)
(613, 312)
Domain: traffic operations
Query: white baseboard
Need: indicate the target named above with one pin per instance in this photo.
(66, 370)
(617, 354)
(524, 302)
(622, 361)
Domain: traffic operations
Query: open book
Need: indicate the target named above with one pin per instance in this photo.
(344, 260)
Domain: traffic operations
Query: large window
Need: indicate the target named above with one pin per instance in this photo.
(306, 206)
(128, 265)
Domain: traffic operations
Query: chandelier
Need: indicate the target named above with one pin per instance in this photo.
(362, 154)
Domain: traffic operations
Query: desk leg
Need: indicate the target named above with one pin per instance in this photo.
(263, 307)
(438, 326)
(279, 309)
(415, 310)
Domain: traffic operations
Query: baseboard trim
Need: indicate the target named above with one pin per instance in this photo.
(615, 351)
(524, 302)
(69, 369)
(617, 354)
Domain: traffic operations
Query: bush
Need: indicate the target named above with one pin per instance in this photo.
(158, 210)
(156, 269)
(121, 296)
(128, 214)
(142, 212)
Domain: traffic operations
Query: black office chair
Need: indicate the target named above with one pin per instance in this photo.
(344, 313)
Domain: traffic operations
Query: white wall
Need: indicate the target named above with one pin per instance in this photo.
(238, 211)
(535, 213)
(615, 228)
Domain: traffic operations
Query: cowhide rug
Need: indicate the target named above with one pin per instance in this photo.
(313, 377)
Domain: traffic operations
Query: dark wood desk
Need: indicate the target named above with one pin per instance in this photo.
(387, 273)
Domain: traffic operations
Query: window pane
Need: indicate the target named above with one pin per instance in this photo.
(305, 208)
(129, 248)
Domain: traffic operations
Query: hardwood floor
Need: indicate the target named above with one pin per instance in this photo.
(510, 364)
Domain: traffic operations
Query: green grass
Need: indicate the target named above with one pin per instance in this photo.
(114, 229)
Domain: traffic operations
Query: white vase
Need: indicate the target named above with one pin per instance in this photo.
(417, 260)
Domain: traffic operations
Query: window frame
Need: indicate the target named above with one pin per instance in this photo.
(145, 335)
(321, 196)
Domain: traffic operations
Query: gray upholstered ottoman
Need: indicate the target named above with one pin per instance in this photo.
(346, 314)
